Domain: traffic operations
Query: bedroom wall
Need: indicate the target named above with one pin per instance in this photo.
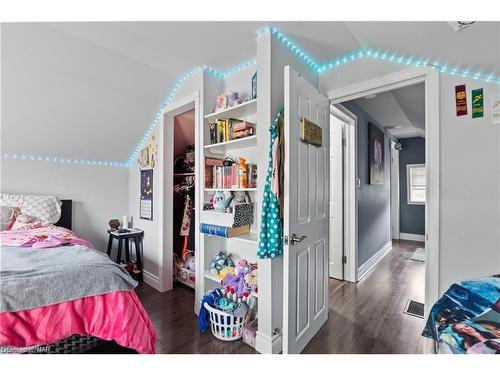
(98, 193)
(411, 216)
(374, 209)
(469, 173)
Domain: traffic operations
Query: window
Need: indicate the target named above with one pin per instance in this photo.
(415, 179)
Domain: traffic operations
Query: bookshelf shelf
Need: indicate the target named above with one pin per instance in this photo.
(222, 147)
(209, 276)
(247, 189)
(240, 111)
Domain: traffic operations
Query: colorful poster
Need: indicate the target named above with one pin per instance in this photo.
(146, 207)
(461, 100)
(477, 103)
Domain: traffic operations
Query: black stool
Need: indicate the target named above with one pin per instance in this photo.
(136, 236)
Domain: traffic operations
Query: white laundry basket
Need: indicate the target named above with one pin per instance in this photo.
(224, 326)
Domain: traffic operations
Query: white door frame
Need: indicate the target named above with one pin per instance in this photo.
(394, 191)
(350, 235)
(397, 80)
(165, 186)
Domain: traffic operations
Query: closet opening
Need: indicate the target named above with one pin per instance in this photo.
(183, 198)
(179, 197)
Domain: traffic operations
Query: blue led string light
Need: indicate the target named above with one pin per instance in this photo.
(304, 57)
(54, 159)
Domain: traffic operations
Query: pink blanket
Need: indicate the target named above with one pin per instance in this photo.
(117, 316)
(43, 237)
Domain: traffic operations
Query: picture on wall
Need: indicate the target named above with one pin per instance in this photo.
(146, 207)
(376, 154)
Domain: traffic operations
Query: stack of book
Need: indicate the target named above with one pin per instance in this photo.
(227, 130)
(218, 176)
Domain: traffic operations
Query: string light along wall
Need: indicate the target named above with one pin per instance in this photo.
(301, 54)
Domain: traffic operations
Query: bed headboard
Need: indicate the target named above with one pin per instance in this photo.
(66, 214)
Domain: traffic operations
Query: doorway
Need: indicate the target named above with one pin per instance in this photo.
(179, 196)
(430, 80)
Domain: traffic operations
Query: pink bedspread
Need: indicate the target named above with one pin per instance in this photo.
(117, 316)
(42, 237)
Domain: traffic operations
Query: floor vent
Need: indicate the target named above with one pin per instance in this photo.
(414, 308)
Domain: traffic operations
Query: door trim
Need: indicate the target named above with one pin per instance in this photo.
(350, 191)
(165, 190)
(393, 81)
(395, 183)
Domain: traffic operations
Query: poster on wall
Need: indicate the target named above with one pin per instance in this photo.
(146, 207)
(495, 109)
(461, 100)
(477, 103)
(376, 154)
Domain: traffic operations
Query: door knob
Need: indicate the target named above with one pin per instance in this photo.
(295, 239)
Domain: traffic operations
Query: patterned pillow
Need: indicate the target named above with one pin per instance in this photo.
(7, 217)
(45, 208)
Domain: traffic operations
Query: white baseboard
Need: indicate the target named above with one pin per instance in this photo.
(370, 263)
(412, 237)
(151, 280)
(268, 345)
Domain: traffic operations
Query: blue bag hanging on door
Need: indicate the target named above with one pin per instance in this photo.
(271, 226)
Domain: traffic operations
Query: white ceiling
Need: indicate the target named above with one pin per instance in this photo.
(96, 86)
(401, 111)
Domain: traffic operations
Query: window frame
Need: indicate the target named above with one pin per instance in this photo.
(409, 185)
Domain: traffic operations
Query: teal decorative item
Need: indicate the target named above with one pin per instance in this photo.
(221, 201)
(271, 227)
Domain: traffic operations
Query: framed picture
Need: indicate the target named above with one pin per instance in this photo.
(376, 157)
(254, 86)
(146, 206)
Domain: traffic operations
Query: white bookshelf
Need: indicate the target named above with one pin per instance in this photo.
(244, 246)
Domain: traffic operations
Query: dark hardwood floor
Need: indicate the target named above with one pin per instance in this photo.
(366, 317)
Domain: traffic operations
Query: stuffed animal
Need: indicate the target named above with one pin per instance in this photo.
(242, 263)
(221, 200)
(233, 99)
(239, 197)
(225, 273)
(220, 261)
(251, 280)
(236, 282)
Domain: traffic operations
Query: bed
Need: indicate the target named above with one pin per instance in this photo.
(57, 288)
(466, 320)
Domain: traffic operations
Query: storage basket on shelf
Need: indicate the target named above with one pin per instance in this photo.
(243, 214)
(224, 326)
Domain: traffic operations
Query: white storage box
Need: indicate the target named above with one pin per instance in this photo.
(242, 215)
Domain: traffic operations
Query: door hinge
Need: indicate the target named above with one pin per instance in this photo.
(344, 259)
(285, 240)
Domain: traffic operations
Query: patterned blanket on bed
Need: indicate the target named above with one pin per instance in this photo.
(467, 318)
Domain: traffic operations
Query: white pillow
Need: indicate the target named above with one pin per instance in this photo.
(7, 216)
(45, 208)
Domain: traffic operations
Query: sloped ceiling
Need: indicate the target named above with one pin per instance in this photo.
(88, 90)
(401, 111)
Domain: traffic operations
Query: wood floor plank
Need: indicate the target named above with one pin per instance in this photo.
(366, 317)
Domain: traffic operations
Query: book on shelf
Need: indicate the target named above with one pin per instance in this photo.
(220, 231)
(230, 129)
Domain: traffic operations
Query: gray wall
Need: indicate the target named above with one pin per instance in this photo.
(374, 213)
(98, 193)
(411, 216)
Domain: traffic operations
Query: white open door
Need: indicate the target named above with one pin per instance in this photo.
(306, 217)
(336, 264)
